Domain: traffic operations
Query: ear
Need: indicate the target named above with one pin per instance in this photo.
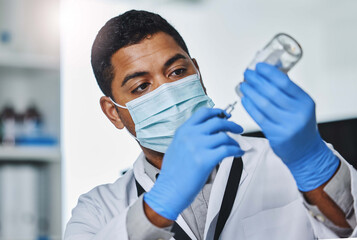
(110, 111)
(198, 68)
(195, 63)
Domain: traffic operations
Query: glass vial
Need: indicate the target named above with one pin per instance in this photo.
(282, 51)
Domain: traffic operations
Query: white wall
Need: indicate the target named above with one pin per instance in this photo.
(223, 36)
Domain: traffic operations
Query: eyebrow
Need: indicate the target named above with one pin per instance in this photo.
(174, 59)
(139, 74)
(134, 75)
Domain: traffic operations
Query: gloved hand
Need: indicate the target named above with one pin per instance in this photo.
(286, 115)
(197, 147)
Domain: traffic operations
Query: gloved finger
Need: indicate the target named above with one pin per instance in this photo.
(203, 114)
(278, 78)
(257, 116)
(269, 90)
(221, 152)
(266, 107)
(217, 124)
(219, 139)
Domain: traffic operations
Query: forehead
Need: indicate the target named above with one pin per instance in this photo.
(150, 51)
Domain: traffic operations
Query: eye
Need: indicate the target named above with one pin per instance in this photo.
(178, 72)
(140, 88)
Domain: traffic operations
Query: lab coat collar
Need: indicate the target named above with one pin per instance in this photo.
(140, 175)
(243, 142)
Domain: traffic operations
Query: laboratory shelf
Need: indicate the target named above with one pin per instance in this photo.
(29, 61)
(30, 153)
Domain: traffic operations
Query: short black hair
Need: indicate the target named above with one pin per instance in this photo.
(126, 29)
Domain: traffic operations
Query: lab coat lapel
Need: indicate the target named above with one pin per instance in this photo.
(144, 180)
(217, 192)
(220, 182)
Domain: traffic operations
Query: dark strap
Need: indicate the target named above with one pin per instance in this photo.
(227, 202)
(229, 195)
(139, 188)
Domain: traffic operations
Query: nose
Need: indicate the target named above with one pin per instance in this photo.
(161, 79)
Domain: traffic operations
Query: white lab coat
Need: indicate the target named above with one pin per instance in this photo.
(267, 206)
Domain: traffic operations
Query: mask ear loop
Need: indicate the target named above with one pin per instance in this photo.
(116, 104)
(197, 72)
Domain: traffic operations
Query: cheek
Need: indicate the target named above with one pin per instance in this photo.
(127, 121)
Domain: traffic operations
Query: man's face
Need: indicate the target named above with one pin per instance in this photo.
(140, 69)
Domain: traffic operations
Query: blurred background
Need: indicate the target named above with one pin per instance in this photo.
(30, 156)
(57, 144)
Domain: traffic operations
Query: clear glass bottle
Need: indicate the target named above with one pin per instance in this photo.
(283, 51)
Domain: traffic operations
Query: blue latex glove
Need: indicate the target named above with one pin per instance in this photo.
(197, 147)
(286, 115)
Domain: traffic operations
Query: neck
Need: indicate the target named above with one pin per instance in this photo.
(155, 158)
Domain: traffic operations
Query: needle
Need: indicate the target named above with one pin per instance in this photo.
(228, 110)
(230, 107)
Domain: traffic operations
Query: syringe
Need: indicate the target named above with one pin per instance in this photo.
(228, 109)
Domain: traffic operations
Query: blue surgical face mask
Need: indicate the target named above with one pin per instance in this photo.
(159, 113)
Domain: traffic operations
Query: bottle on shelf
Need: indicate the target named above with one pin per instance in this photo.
(32, 122)
(8, 125)
(32, 129)
(24, 128)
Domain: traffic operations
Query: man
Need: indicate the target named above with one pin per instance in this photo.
(291, 186)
